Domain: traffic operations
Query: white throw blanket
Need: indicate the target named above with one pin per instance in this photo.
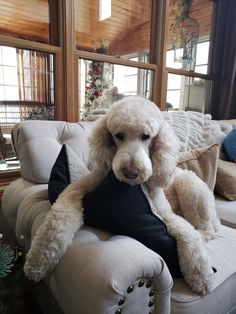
(192, 128)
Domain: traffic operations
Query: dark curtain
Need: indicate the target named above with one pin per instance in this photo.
(223, 60)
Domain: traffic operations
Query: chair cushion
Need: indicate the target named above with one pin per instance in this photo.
(222, 251)
(226, 211)
(39, 143)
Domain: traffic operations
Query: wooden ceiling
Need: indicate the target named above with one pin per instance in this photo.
(127, 31)
(26, 19)
(128, 17)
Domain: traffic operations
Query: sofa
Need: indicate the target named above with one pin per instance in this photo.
(103, 273)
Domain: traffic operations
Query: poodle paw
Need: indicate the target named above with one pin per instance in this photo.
(199, 283)
(207, 235)
(33, 273)
(38, 264)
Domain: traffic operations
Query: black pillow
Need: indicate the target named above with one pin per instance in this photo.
(67, 168)
(123, 209)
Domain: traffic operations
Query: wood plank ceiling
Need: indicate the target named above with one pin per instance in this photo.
(127, 31)
(26, 19)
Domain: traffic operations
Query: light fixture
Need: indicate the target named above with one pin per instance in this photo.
(185, 34)
(104, 9)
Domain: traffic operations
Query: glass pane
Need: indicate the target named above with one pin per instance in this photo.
(202, 53)
(11, 92)
(10, 75)
(102, 83)
(8, 56)
(188, 93)
(189, 34)
(201, 69)
(174, 82)
(26, 93)
(28, 19)
(1, 74)
(173, 99)
(123, 32)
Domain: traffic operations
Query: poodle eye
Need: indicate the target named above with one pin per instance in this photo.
(120, 136)
(145, 137)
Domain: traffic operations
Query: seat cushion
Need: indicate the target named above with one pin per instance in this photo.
(226, 210)
(222, 250)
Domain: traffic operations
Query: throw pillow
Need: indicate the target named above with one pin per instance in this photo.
(226, 180)
(67, 168)
(229, 146)
(123, 209)
(202, 161)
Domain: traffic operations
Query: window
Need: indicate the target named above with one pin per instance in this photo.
(102, 83)
(202, 57)
(188, 93)
(26, 92)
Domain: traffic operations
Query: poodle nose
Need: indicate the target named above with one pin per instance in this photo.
(130, 173)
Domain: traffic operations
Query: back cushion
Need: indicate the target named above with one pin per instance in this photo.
(39, 143)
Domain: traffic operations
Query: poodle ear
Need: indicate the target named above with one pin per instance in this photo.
(102, 146)
(164, 153)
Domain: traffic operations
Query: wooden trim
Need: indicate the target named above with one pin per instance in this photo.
(68, 55)
(114, 60)
(60, 109)
(76, 82)
(189, 73)
(159, 29)
(54, 30)
(27, 44)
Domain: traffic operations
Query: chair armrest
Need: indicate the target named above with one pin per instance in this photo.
(104, 276)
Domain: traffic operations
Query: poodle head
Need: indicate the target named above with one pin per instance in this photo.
(134, 140)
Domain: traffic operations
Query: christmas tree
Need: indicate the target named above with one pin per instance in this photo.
(99, 77)
(7, 256)
(12, 280)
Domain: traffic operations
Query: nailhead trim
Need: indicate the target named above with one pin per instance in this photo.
(148, 284)
(141, 283)
(130, 288)
(151, 312)
(119, 311)
(151, 302)
(151, 293)
(121, 301)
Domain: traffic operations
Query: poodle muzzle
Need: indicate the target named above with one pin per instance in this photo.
(131, 164)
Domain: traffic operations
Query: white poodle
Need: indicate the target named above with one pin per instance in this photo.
(135, 142)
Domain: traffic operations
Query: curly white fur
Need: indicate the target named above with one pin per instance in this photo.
(135, 141)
